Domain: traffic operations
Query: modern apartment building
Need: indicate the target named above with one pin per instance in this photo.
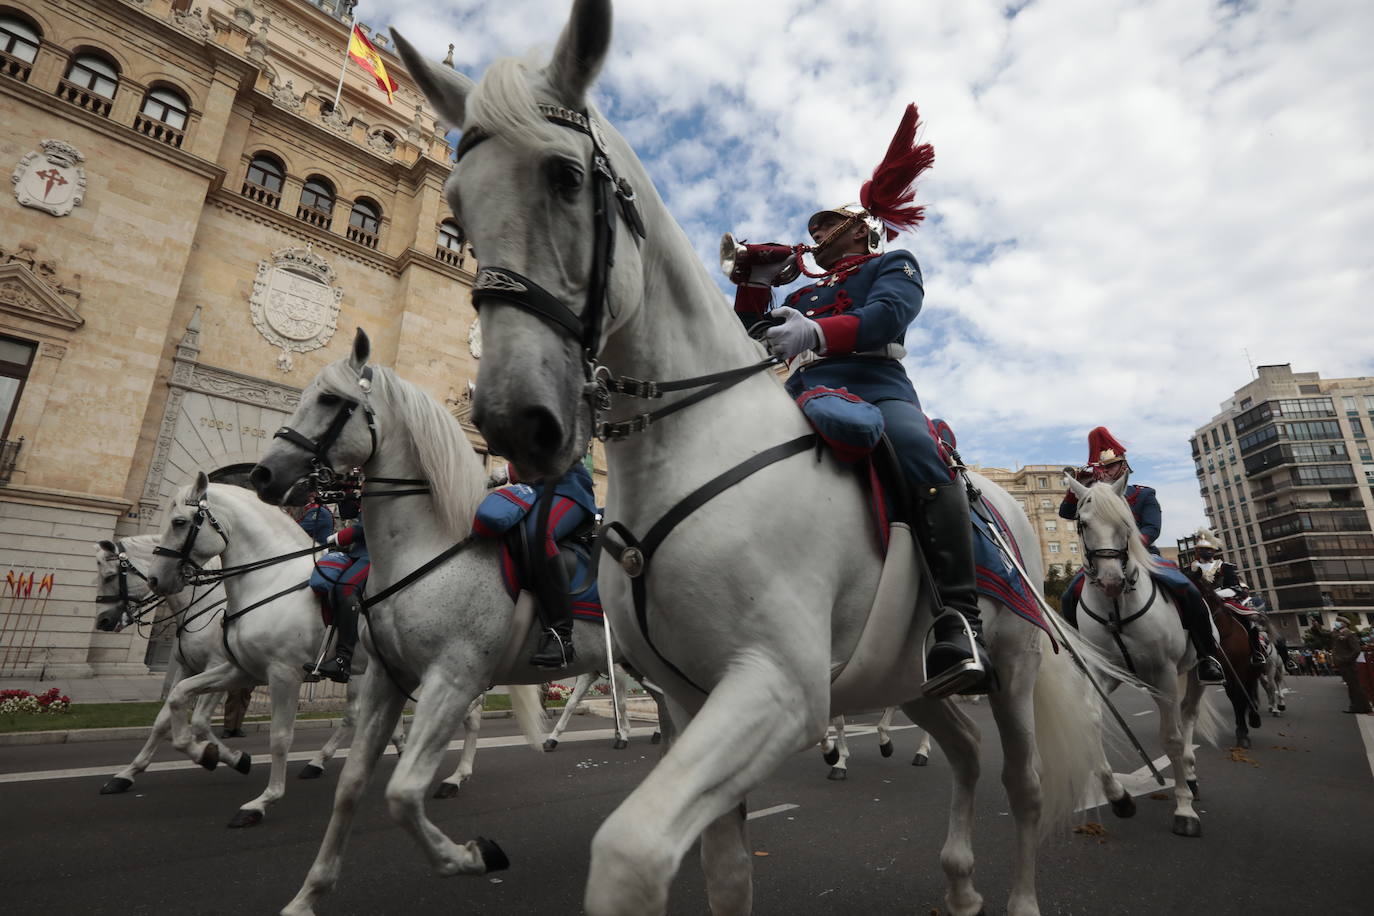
(1287, 476)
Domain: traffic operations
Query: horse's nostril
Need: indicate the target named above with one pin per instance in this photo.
(260, 477)
(543, 432)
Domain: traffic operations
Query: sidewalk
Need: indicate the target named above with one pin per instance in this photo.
(140, 688)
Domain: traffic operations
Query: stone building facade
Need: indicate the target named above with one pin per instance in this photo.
(195, 230)
(1039, 488)
(1286, 472)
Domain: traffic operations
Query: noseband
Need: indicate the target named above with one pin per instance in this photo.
(126, 566)
(1090, 558)
(203, 515)
(320, 467)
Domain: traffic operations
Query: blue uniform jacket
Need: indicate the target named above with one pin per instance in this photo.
(318, 522)
(575, 485)
(1144, 506)
(863, 307)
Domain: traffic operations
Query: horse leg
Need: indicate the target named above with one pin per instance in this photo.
(1235, 692)
(379, 708)
(756, 716)
(314, 768)
(124, 779)
(203, 749)
(622, 710)
(472, 724)
(885, 732)
(1171, 735)
(1013, 711)
(435, 715)
(1189, 710)
(574, 699)
(285, 686)
(958, 738)
(839, 768)
(727, 864)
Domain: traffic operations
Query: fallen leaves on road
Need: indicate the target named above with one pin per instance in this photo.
(1160, 796)
(1238, 755)
(760, 853)
(1092, 829)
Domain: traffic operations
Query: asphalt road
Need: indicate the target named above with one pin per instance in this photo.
(1288, 829)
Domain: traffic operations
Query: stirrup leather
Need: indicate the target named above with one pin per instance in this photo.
(958, 677)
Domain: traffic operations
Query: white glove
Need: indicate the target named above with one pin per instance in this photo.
(332, 540)
(794, 335)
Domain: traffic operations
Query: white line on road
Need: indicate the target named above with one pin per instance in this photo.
(776, 809)
(595, 734)
(1147, 712)
(1367, 733)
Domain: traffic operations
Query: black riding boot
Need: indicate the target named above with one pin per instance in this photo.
(346, 625)
(1197, 620)
(958, 662)
(555, 648)
(1257, 653)
(1068, 606)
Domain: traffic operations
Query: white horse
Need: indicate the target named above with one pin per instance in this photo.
(1274, 678)
(1125, 614)
(835, 745)
(755, 602)
(450, 631)
(618, 706)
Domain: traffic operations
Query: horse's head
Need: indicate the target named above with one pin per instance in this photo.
(331, 432)
(1108, 532)
(540, 187)
(190, 537)
(118, 586)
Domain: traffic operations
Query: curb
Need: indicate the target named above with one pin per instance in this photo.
(141, 732)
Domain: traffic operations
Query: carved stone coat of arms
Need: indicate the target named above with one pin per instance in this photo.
(295, 302)
(52, 180)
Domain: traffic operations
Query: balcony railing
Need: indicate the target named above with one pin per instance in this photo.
(82, 97)
(362, 236)
(449, 256)
(9, 456)
(159, 130)
(261, 194)
(314, 217)
(15, 68)
(1303, 507)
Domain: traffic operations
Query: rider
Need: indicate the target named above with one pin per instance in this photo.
(317, 520)
(1107, 462)
(573, 507)
(1224, 577)
(341, 574)
(851, 323)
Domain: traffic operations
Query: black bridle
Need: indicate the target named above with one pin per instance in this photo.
(183, 556)
(130, 610)
(320, 467)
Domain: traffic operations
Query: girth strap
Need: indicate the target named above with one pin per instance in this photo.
(1115, 623)
(635, 556)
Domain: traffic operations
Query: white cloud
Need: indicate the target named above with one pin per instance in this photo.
(1127, 193)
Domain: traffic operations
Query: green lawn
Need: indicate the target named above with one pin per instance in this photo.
(116, 715)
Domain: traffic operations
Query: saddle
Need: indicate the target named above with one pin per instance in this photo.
(576, 552)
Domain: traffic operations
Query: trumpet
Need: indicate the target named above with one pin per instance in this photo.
(766, 264)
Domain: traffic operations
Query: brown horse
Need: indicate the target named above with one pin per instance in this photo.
(1242, 675)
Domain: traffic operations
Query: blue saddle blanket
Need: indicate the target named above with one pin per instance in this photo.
(996, 576)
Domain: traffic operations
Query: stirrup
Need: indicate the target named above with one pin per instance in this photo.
(564, 652)
(958, 677)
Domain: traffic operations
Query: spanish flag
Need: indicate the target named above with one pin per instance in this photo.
(361, 50)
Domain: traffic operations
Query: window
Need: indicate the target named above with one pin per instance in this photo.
(263, 181)
(1051, 524)
(19, 40)
(1054, 546)
(364, 222)
(93, 72)
(1073, 547)
(1369, 402)
(168, 106)
(1042, 482)
(317, 202)
(16, 356)
(1044, 502)
(1348, 402)
(450, 249)
(1357, 429)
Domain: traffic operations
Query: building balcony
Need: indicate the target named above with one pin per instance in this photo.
(318, 218)
(81, 97)
(362, 236)
(449, 256)
(1288, 507)
(159, 130)
(15, 68)
(261, 194)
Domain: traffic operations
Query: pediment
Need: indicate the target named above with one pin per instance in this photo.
(24, 295)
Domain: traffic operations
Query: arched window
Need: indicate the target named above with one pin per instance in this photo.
(168, 106)
(450, 243)
(364, 222)
(263, 182)
(317, 202)
(19, 41)
(90, 82)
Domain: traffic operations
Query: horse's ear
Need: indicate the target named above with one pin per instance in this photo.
(107, 547)
(445, 88)
(362, 349)
(1077, 488)
(580, 52)
(199, 487)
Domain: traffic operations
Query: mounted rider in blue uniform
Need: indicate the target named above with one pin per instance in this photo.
(341, 575)
(847, 331)
(1224, 577)
(1107, 462)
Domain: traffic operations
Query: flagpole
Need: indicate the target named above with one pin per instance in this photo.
(343, 69)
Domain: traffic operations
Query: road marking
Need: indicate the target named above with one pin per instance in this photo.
(1141, 781)
(595, 734)
(1148, 712)
(1367, 733)
(776, 809)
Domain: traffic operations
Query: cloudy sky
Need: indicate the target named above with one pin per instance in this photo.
(1132, 200)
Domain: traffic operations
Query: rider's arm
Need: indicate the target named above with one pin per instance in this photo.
(892, 303)
(1068, 507)
(1150, 516)
(351, 535)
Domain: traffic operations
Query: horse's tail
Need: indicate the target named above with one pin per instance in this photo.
(1210, 723)
(1068, 725)
(524, 700)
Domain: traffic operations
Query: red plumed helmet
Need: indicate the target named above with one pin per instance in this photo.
(1103, 449)
(890, 195)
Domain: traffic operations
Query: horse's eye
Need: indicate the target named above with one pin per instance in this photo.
(178, 522)
(565, 175)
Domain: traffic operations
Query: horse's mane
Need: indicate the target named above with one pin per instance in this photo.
(455, 473)
(502, 104)
(269, 517)
(1105, 504)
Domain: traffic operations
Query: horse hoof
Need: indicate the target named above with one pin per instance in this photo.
(1124, 806)
(446, 790)
(620, 744)
(116, 785)
(310, 771)
(920, 760)
(244, 763)
(885, 748)
(209, 758)
(656, 737)
(831, 757)
(1192, 787)
(492, 856)
(550, 744)
(1187, 826)
(838, 774)
(1282, 707)
(246, 817)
